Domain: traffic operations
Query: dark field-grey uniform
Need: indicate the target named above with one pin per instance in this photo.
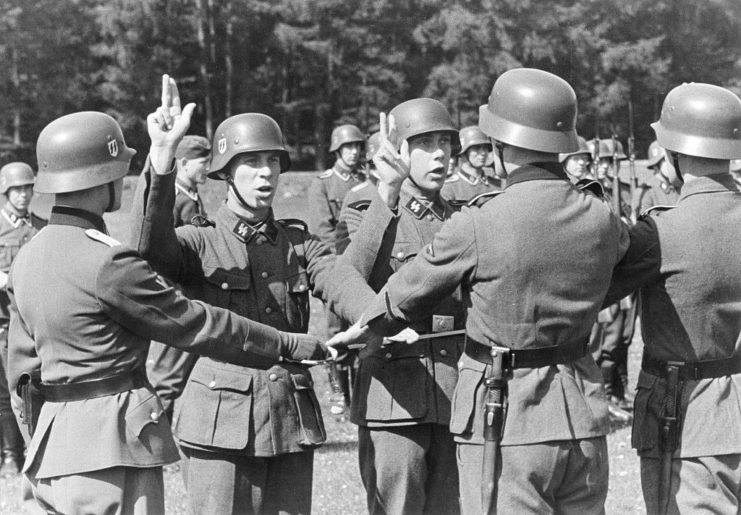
(535, 263)
(401, 399)
(685, 261)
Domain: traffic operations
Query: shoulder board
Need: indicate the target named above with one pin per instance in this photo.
(453, 178)
(457, 204)
(360, 205)
(483, 198)
(202, 221)
(294, 223)
(592, 186)
(96, 235)
(655, 210)
(327, 174)
(359, 186)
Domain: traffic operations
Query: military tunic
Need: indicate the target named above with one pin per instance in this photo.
(236, 418)
(107, 305)
(401, 399)
(326, 194)
(685, 262)
(535, 263)
(358, 195)
(187, 204)
(467, 183)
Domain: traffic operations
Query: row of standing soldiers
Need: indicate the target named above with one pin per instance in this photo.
(476, 389)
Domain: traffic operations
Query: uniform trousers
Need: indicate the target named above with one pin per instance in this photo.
(709, 484)
(113, 491)
(566, 476)
(231, 484)
(409, 469)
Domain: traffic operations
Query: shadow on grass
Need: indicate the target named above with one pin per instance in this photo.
(338, 447)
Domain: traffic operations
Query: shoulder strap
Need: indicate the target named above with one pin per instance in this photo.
(655, 210)
(96, 235)
(483, 198)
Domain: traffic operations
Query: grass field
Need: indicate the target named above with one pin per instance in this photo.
(337, 487)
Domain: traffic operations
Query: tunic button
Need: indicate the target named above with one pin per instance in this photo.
(212, 384)
(429, 217)
(264, 275)
(224, 286)
(154, 416)
(400, 255)
(388, 355)
(443, 352)
(268, 310)
(301, 287)
(273, 377)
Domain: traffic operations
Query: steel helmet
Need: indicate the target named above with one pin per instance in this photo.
(80, 151)
(606, 149)
(531, 109)
(345, 134)
(583, 149)
(700, 120)
(242, 133)
(423, 115)
(15, 174)
(655, 154)
(471, 136)
(374, 143)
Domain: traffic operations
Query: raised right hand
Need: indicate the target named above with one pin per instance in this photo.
(167, 126)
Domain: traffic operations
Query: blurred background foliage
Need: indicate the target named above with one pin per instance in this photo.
(313, 64)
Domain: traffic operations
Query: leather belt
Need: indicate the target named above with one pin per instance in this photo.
(530, 358)
(93, 389)
(693, 371)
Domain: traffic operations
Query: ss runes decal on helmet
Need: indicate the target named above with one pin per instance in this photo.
(222, 145)
(113, 148)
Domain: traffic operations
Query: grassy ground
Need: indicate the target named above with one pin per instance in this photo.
(337, 487)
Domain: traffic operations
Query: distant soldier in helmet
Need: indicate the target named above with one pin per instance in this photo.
(83, 310)
(401, 400)
(685, 261)
(471, 179)
(248, 434)
(17, 226)
(534, 262)
(578, 164)
(660, 192)
(192, 159)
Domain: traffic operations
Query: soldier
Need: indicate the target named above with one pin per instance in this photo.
(17, 226)
(192, 159)
(401, 399)
(470, 179)
(100, 439)
(532, 294)
(660, 192)
(685, 262)
(248, 435)
(578, 164)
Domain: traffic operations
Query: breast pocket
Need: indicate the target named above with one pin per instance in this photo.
(216, 408)
(403, 253)
(297, 301)
(227, 289)
(9, 248)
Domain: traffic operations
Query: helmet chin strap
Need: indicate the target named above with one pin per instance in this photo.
(500, 153)
(234, 189)
(111, 198)
(675, 162)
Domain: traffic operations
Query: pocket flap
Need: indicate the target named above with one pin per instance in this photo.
(406, 250)
(298, 283)
(225, 280)
(148, 411)
(222, 379)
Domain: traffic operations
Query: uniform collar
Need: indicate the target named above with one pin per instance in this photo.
(187, 190)
(708, 184)
(549, 171)
(471, 175)
(246, 232)
(345, 173)
(65, 215)
(14, 219)
(418, 205)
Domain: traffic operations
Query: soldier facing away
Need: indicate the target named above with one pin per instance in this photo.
(527, 329)
(685, 262)
(17, 226)
(101, 439)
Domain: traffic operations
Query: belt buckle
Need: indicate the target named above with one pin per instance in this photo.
(442, 323)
